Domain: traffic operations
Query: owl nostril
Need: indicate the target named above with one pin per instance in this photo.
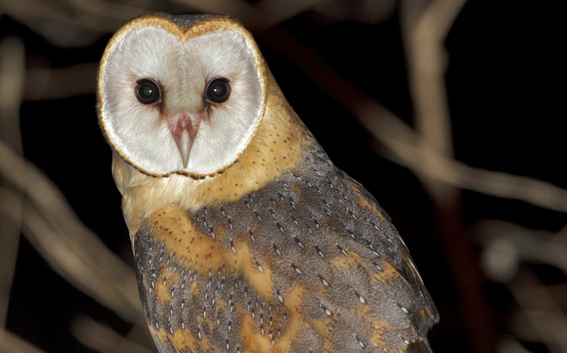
(184, 122)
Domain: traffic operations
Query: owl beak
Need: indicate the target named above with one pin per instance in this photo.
(184, 131)
(184, 144)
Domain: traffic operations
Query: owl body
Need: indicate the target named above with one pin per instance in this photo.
(273, 249)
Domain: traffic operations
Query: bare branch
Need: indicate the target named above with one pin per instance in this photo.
(425, 28)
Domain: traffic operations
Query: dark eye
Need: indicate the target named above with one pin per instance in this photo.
(148, 91)
(218, 90)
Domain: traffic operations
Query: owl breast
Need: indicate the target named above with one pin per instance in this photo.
(309, 263)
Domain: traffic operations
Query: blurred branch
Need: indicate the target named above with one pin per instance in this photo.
(104, 339)
(425, 25)
(10, 343)
(12, 72)
(507, 245)
(541, 319)
(459, 174)
(508, 249)
(70, 248)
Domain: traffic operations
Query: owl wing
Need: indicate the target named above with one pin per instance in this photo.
(425, 314)
(408, 267)
(309, 263)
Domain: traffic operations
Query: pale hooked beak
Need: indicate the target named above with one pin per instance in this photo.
(184, 129)
(184, 144)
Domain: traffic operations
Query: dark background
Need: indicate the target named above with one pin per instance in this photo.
(505, 83)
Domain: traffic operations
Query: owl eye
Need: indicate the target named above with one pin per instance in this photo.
(218, 90)
(148, 91)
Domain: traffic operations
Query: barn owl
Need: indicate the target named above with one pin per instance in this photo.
(246, 237)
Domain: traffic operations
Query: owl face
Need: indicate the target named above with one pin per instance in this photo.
(181, 98)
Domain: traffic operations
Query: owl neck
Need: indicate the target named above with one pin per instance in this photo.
(279, 145)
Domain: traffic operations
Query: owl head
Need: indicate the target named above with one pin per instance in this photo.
(181, 95)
